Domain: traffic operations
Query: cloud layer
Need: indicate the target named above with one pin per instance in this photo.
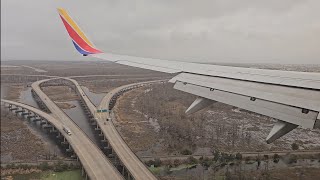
(247, 31)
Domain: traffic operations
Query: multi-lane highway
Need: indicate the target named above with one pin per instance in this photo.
(92, 158)
(136, 168)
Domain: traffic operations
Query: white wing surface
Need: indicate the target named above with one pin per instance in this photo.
(293, 98)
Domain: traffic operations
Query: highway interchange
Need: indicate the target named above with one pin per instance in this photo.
(97, 165)
(94, 161)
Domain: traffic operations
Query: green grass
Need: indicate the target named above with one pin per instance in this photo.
(156, 170)
(70, 175)
(183, 166)
(51, 175)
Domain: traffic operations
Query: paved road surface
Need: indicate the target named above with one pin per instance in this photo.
(94, 161)
(136, 168)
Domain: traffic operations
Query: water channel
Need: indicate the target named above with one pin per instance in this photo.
(76, 114)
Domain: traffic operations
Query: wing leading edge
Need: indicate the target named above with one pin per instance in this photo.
(293, 98)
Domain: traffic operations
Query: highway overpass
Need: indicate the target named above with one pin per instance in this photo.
(93, 152)
(94, 162)
(132, 167)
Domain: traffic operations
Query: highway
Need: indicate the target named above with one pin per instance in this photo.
(136, 168)
(92, 158)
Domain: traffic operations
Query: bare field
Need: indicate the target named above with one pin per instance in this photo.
(14, 91)
(106, 85)
(60, 93)
(75, 68)
(135, 130)
(17, 141)
(289, 173)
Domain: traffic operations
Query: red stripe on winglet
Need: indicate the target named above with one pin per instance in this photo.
(74, 35)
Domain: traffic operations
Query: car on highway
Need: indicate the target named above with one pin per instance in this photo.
(67, 130)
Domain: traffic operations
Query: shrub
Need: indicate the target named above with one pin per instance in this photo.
(247, 159)
(205, 162)
(44, 166)
(149, 163)
(192, 160)
(292, 159)
(276, 158)
(176, 162)
(186, 152)
(294, 146)
(60, 166)
(157, 162)
(239, 156)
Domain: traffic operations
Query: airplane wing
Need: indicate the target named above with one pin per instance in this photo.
(293, 98)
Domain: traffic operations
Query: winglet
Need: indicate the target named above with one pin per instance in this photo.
(79, 39)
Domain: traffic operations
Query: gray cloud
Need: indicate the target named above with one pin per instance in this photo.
(256, 31)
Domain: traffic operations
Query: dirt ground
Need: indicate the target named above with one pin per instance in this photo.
(74, 68)
(286, 174)
(135, 130)
(14, 91)
(106, 85)
(64, 105)
(8, 172)
(17, 141)
(60, 95)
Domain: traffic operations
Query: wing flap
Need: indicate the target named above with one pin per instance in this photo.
(292, 96)
(276, 110)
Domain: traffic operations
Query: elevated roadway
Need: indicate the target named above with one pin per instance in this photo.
(94, 161)
(129, 160)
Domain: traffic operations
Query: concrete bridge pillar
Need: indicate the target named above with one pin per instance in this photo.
(122, 170)
(32, 115)
(27, 112)
(59, 135)
(64, 141)
(74, 156)
(46, 124)
(101, 134)
(36, 119)
(19, 110)
(43, 121)
(69, 149)
(13, 108)
(53, 130)
(104, 140)
(94, 123)
(82, 171)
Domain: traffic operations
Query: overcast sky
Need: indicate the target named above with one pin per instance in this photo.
(238, 31)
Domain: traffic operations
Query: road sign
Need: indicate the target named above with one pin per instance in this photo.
(102, 110)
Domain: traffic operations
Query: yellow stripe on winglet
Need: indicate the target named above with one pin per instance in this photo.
(74, 25)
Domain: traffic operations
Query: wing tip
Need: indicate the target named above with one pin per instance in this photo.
(82, 44)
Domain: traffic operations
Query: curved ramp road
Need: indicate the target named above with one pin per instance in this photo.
(94, 161)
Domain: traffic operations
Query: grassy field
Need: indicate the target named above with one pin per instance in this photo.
(50, 175)
(70, 175)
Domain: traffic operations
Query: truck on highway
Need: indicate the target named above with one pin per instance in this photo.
(67, 130)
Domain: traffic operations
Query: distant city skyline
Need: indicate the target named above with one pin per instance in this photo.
(208, 31)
